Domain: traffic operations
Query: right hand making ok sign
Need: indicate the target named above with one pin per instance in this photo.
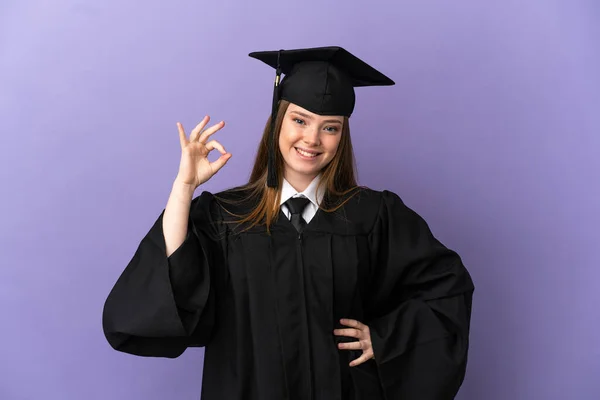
(194, 167)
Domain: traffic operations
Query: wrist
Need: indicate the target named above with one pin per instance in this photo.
(183, 189)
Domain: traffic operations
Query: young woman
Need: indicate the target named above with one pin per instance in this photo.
(299, 284)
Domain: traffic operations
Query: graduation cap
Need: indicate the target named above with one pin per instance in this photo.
(320, 80)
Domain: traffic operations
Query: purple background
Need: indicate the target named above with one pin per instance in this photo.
(491, 133)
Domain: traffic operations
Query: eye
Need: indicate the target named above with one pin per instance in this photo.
(299, 121)
(331, 129)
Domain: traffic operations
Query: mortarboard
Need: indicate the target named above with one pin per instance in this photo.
(320, 80)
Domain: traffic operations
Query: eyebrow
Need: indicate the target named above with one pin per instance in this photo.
(335, 121)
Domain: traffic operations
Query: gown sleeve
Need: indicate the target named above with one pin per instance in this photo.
(420, 307)
(161, 305)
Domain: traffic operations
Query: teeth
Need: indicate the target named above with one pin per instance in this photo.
(305, 154)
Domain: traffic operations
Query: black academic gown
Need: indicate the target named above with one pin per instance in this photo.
(265, 306)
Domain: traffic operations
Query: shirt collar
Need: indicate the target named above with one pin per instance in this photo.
(288, 191)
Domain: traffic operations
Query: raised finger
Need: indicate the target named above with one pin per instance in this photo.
(206, 134)
(353, 323)
(196, 132)
(366, 356)
(182, 139)
(213, 144)
(355, 333)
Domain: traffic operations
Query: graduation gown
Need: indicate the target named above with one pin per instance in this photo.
(264, 306)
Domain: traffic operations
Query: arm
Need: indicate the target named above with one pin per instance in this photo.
(176, 214)
(420, 308)
(161, 305)
(163, 302)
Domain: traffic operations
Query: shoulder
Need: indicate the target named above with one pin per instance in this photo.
(204, 207)
(365, 206)
(236, 200)
(216, 209)
(367, 199)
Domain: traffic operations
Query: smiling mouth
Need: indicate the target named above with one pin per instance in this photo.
(305, 153)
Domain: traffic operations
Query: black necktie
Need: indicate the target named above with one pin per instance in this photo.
(296, 206)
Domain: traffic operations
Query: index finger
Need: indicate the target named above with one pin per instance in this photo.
(353, 323)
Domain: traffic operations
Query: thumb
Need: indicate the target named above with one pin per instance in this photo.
(220, 162)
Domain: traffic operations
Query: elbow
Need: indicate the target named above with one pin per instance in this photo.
(146, 347)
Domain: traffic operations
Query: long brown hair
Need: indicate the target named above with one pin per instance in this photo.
(338, 178)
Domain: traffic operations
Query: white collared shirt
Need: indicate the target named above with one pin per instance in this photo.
(288, 191)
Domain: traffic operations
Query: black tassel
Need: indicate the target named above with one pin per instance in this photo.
(272, 178)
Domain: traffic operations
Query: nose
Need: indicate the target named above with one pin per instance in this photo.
(311, 136)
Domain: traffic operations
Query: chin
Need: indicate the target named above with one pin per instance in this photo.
(304, 170)
(307, 171)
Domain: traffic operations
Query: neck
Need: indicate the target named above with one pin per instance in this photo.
(299, 181)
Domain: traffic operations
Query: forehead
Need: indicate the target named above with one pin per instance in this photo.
(302, 111)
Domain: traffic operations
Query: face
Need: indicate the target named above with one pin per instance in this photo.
(308, 142)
